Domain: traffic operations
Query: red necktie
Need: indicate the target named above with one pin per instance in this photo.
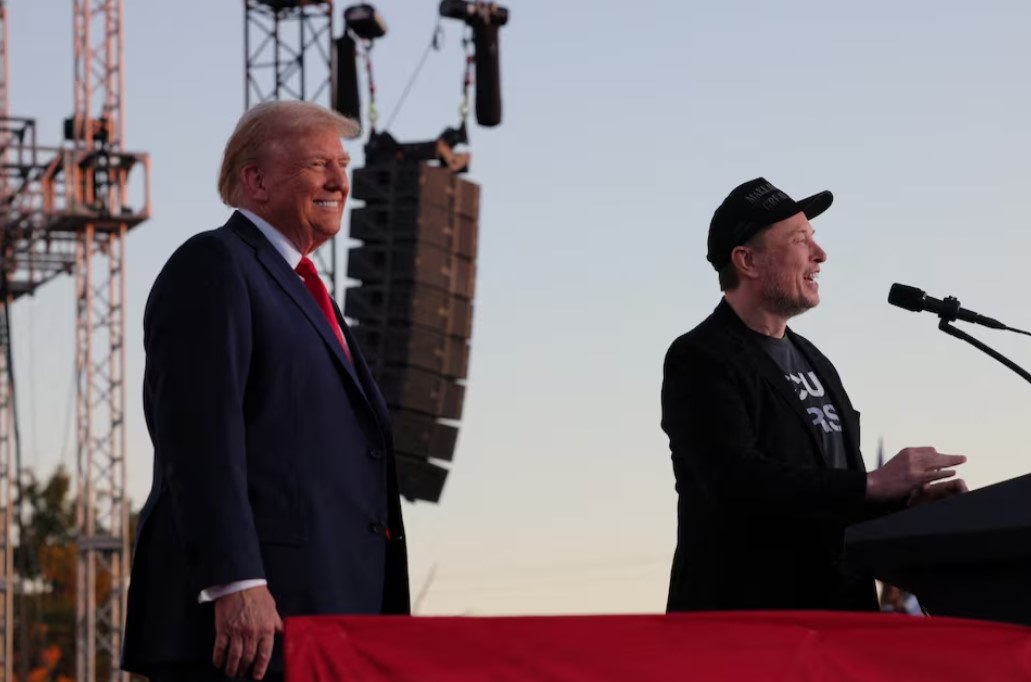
(306, 269)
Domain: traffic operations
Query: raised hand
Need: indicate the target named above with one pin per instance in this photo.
(910, 469)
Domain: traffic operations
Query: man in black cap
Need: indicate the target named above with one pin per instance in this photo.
(764, 439)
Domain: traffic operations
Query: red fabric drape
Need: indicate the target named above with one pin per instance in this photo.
(756, 646)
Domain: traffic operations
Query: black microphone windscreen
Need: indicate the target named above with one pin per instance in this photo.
(488, 75)
(456, 9)
(346, 98)
(906, 297)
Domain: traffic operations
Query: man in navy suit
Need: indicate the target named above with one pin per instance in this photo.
(274, 490)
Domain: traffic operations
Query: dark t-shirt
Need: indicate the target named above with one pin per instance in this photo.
(815, 399)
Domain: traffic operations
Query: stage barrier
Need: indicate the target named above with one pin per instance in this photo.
(752, 646)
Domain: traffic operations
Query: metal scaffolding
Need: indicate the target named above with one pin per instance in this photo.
(6, 403)
(6, 507)
(102, 515)
(67, 209)
(288, 53)
(289, 50)
(4, 67)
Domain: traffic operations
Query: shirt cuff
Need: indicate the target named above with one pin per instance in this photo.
(216, 591)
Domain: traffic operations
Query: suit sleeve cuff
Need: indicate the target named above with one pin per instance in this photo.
(216, 591)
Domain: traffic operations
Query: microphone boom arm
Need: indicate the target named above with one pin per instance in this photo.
(960, 334)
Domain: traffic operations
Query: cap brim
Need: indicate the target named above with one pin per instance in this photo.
(816, 204)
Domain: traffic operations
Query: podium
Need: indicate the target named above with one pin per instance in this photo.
(967, 556)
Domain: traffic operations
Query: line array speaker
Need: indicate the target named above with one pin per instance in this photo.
(412, 311)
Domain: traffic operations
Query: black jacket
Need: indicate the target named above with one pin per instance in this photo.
(761, 515)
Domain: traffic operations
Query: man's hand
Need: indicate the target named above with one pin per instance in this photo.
(911, 468)
(245, 624)
(932, 492)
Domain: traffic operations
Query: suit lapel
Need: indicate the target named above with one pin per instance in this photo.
(289, 281)
(773, 374)
(768, 369)
(365, 378)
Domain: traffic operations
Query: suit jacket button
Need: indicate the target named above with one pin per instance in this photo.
(377, 528)
(375, 454)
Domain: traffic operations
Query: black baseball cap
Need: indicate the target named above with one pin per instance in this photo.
(750, 208)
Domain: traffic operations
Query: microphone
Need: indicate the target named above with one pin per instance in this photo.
(484, 18)
(911, 298)
(488, 75)
(346, 98)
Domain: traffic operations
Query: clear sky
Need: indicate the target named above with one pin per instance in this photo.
(624, 126)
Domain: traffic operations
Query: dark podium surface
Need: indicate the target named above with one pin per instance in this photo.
(968, 556)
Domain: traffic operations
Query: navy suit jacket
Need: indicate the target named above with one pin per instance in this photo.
(273, 455)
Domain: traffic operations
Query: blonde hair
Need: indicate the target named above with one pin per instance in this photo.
(263, 127)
